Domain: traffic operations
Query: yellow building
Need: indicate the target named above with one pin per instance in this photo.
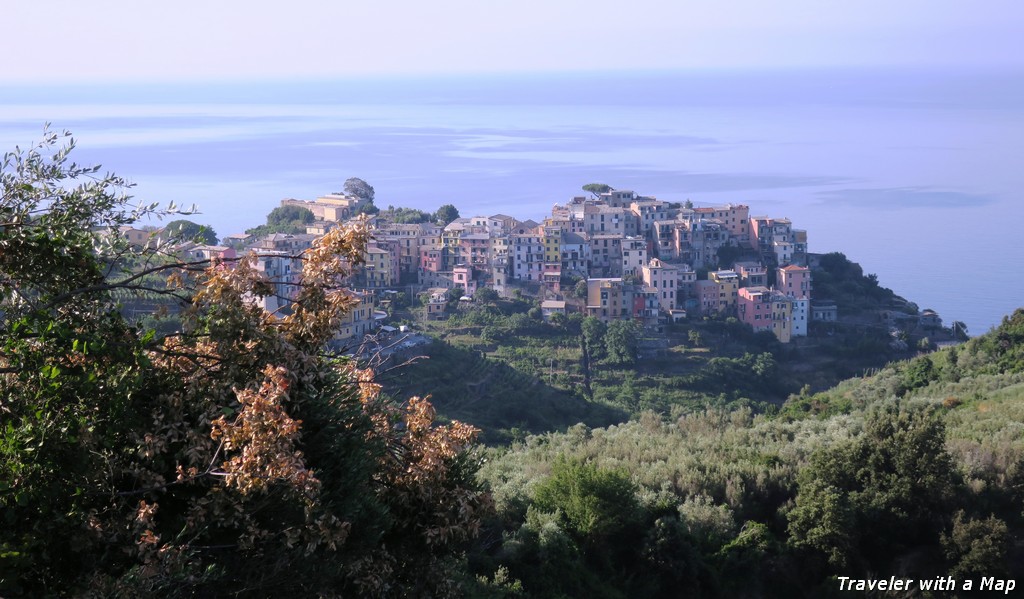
(359, 321)
(332, 207)
(430, 237)
(605, 300)
(552, 245)
(728, 288)
(377, 267)
(782, 317)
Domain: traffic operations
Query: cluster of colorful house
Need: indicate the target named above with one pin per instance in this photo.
(641, 258)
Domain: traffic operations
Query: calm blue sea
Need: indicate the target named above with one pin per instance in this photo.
(914, 174)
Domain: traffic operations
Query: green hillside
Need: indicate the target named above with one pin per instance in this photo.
(497, 366)
(915, 472)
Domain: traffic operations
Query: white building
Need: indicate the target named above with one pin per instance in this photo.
(527, 257)
(634, 256)
(801, 315)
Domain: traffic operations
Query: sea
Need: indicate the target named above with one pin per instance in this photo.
(916, 174)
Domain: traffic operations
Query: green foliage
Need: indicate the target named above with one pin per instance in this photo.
(750, 553)
(486, 295)
(550, 563)
(924, 485)
(287, 215)
(976, 548)
(455, 295)
(368, 208)
(595, 503)
(916, 374)
(1002, 348)
(232, 458)
(501, 585)
(492, 392)
(749, 373)
(355, 186)
(728, 255)
(711, 525)
(995, 353)
(620, 341)
(446, 214)
(406, 215)
(866, 502)
(579, 290)
(289, 220)
(574, 356)
(593, 335)
(670, 557)
(844, 282)
(596, 189)
(401, 300)
(187, 230)
(693, 478)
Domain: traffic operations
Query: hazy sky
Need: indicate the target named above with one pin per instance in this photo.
(73, 40)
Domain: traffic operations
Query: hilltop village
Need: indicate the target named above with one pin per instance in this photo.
(614, 255)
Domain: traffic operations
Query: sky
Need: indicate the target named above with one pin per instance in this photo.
(70, 41)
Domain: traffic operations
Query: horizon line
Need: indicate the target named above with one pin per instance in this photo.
(410, 77)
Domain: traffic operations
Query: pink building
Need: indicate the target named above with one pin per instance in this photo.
(765, 231)
(754, 307)
(735, 217)
(430, 260)
(552, 277)
(462, 276)
(663, 279)
(708, 297)
(795, 281)
(476, 249)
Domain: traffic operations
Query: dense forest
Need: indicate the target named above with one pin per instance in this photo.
(234, 456)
